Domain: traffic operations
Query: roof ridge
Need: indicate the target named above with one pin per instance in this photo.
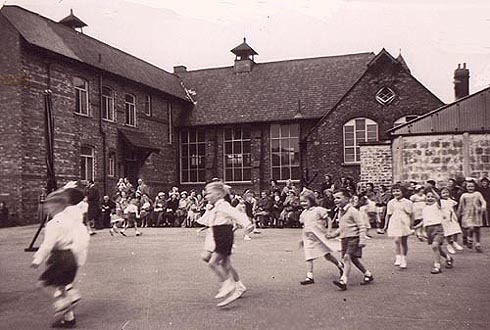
(288, 60)
(90, 38)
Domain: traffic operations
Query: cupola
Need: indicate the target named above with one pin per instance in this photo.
(244, 57)
(73, 22)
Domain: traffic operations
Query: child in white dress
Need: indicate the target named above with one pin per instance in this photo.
(470, 210)
(399, 215)
(64, 249)
(315, 242)
(450, 223)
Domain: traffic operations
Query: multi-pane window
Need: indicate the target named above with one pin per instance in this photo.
(356, 131)
(87, 163)
(111, 165)
(81, 96)
(237, 155)
(148, 105)
(285, 152)
(107, 104)
(385, 95)
(130, 109)
(192, 156)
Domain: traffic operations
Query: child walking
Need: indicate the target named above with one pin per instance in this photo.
(132, 213)
(399, 214)
(418, 202)
(470, 210)
(450, 223)
(432, 216)
(64, 249)
(352, 234)
(314, 235)
(220, 217)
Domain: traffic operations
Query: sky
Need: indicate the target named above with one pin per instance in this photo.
(433, 36)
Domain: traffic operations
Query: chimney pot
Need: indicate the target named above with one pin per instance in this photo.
(180, 69)
(461, 81)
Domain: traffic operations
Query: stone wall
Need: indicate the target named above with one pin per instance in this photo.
(376, 164)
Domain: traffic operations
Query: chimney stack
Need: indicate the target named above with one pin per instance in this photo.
(461, 81)
(180, 69)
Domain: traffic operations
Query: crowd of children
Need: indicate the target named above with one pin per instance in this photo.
(339, 212)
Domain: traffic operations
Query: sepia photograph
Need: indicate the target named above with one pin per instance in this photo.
(245, 164)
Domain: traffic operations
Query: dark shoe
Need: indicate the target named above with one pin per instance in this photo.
(340, 284)
(478, 249)
(449, 262)
(469, 245)
(64, 324)
(307, 281)
(367, 279)
(436, 270)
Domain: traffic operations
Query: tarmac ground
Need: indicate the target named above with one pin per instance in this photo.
(158, 282)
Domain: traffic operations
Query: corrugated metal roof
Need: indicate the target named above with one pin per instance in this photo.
(469, 114)
(55, 37)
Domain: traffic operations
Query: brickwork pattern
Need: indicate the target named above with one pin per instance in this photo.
(480, 155)
(376, 165)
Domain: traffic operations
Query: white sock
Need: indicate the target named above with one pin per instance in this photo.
(367, 273)
(344, 279)
(69, 316)
(437, 265)
(309, 275)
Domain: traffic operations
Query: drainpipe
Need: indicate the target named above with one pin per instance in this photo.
(103, 135)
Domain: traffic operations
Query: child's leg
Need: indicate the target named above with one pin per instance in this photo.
(404, 245)
(336, 262)
(436, 254)
(469, 237)
(476, 235)
(398, 250)
(309, 269)
(347, 268)
(215, 263)
(357, 262)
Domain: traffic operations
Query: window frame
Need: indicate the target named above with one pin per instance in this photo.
(188, 158)
(280, 138)
(353, 123)
(148, 105)
(108, 100)
(243, 169)
(85, 159)
(385, 100)
(130, 108)
(80, 94)
(111, 164)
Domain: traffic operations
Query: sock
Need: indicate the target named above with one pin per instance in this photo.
(437, 265)
(344, 279)
(69, 316)
(57, 293)
(368, 273)
(309, 275)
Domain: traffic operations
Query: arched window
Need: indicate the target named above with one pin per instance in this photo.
(87, 163)
(81, 96)
(355, 131)
(130, 109)
(107, 104)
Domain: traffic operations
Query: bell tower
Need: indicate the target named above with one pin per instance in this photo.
(244, 57)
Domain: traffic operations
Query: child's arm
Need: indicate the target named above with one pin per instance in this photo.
(50, 239)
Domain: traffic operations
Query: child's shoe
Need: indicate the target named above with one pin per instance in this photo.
(61, 304)
(380, 231)
(123, 233)
(367, 279)
(340, 284)
(247, 238)
(227, 287)
(451, 249)
(403, 262)
(138, 233)
(436, 270)
(469, 244)
(457, 246)
(307, 281)
(478, 249)
(240, 288)
(449, 262)
(64, 324)
(398, 260)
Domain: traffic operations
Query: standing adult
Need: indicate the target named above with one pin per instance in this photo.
(93, 200)
(485, 191)
(327, 183)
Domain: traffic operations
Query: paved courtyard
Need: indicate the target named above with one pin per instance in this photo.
(157, 282)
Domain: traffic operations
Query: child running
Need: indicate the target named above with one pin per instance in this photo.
(470, 210)
(450, 223)
(314, 234)
(64, 249)
(352, 234)
(220, 217)
(399, 216)
(132, 213)
(432, 216)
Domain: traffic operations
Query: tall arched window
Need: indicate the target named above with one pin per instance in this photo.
(355, 131)
(107, 104)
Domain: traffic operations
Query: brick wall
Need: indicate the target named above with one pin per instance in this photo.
(376, 164)
(11, 81)
(479, 164)
(25, 152)
(325, 144)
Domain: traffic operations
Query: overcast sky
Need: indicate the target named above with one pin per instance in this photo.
(433, 35)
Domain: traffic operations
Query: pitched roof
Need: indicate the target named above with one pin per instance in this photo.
(55, 37)
(244, 48)
(272, 91)
(468, 114)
